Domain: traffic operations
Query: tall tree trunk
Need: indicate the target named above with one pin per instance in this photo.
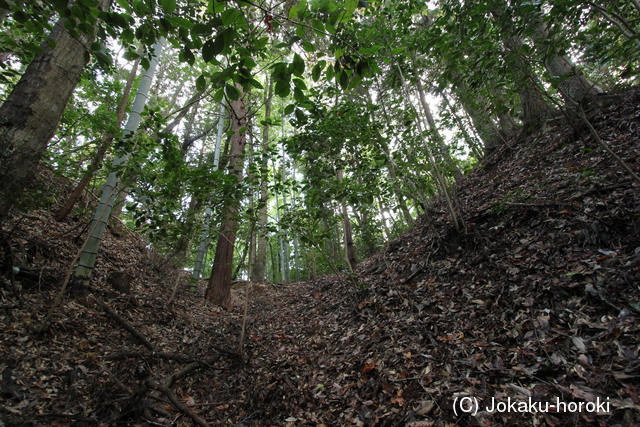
(349, 248)
(253, 217)
(436, 172)
(286, 249)
(258, 270)
(383, 220)
(219, 289)
(441, 150)
(573, 85)
(535, 107)
(392, 167)
(208, 213)
(31, 113)
(87, 260)
(66, 209)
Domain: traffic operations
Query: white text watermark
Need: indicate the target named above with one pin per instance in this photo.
(471, 405)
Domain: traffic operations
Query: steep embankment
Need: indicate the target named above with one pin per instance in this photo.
(538, 299)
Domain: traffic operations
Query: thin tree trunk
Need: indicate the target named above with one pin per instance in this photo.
(87, 261)
(219, 290)
(439, 178)
(258, 271)
(31, 113)
(392, 168)
(252, 217)
(349, 248)
(471, 142)
(286, 249)
(204, 237)
(441, 149)
(102, 149)
(383, 220)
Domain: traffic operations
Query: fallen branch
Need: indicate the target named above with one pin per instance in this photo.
(125, 325)
(132, 354)
(70, 417)
(170, 380)
(151, 383)
(150, 354)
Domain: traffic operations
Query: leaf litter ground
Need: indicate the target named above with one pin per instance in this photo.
(533, 307)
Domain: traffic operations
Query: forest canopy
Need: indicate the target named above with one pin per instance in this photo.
(296, 137)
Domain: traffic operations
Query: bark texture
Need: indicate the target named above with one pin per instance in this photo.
(258, 269)
(219, 289)
(30, 115)
(349, 247)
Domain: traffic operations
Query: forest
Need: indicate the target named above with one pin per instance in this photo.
(319, 212)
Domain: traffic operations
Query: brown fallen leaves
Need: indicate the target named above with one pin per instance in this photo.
(538, 302)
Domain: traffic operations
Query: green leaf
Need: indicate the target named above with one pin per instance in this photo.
(124, 4)
(209, 51)
(330, 73)
(331, 29)
(293, 12)
(289, 109)
(229, 16)
(188, 56)
(355, 81)
(180, 22)
(201, 83)
(350, 6)
(298, 65)
(232, 92)
(300, 31)
(201, 29)
(398, 50)
(242, 129)
(307, 46)
(318, 26)
(300, 116)
(283, 88)
(315, 73)
(300, 84)
(218, 95)
(130, 56)
(362, 68)
(168, 5)
(344, 80)
(298, 95)
(261, 43)
(253, 82)
(218, 44)
(216, 6)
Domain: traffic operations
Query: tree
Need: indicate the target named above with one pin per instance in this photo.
(87, 260)
(219, 289)
(31, 113)
(258, 270)
(104, 145)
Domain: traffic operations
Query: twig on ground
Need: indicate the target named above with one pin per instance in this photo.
(125, 325)
(151, 383)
